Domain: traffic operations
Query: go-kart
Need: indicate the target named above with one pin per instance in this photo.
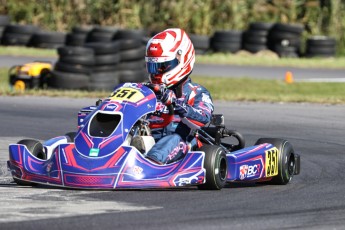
(103, 155)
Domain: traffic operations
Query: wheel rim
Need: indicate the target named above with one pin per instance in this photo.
(291, 166)
(222, 169)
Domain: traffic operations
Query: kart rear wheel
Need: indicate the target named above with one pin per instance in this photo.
(216, 167)
(36, 148)
(286, 163)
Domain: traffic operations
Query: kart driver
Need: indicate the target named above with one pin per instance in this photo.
(170, 58)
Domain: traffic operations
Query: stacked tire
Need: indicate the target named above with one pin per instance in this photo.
(18, 35)
(320, 46)
(4, 21)
(78, 36)
(256, 37)
(73, 68)
(285, 39)
(102, 34)
(201, 43)
(48, 40)
(105, 73)
(132, 54)
(226, 41)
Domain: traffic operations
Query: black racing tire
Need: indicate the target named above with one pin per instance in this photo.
(321, 41)
(105, 68)
(21, 29)
(128, 44)
(133, 76)
(254, 48)
(261, 26)
(105, 77)
(64, 80)
(72, 68)
(286, 160)
(72, 50)
(129, 34)
(290, 28)
(276, 36)
(216, 166)
(254, 38)
(48, 37)
(15, 39)
(107, 59)
(227, 36)
(101, 48)
(226, 46)
(132, 65)
(82, 29)
(35, 147)
(321, 50)
(78, 59)
(100, 37)
(75, 39)
(201, 42)
(133, 54)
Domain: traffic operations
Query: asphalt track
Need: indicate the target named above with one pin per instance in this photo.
(315, 199)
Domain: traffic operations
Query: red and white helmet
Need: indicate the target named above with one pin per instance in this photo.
(169, 57)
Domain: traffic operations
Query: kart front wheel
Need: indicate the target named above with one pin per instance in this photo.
(287, 165)
(216, 167)
(35, 147)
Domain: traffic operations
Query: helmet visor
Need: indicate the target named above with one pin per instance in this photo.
(161, 67)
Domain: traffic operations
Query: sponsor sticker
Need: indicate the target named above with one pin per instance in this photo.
(94, 152)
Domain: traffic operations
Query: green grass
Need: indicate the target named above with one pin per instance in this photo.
(247, 89)
(269, 59)
(26, 51)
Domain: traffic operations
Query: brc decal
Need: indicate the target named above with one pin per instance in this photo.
(271, 162)
(249, 171)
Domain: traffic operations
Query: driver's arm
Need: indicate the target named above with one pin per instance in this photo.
(199, 106)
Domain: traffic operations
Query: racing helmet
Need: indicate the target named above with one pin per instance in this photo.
(169, 57)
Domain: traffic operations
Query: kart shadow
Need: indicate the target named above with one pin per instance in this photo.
(234, 185)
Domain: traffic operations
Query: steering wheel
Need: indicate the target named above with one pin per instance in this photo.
(165, 117)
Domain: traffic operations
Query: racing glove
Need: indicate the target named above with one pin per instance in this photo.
(168, 97)
(180, 108)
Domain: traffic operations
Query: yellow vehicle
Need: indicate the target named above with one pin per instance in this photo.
(30, 75)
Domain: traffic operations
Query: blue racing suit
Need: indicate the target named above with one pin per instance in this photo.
(173, 141)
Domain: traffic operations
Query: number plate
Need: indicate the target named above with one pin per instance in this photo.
(272, 162)
(127, 94)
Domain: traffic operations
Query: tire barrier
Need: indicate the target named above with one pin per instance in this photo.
(132, 52)
(320, 46)
(255, 38)
(201, 43)
(18, 35)
(285, 39)
(4, 21)
(226, 41)
(48, 40)
(78, 35)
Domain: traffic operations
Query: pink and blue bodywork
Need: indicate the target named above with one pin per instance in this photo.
(101, 158)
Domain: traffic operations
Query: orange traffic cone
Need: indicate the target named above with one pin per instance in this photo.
(288, 77)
